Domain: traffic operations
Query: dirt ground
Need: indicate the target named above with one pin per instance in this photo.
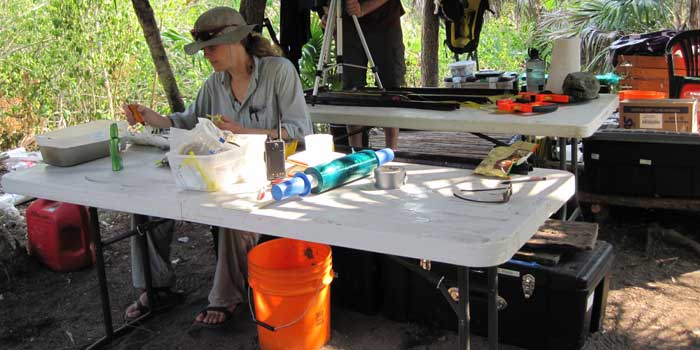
(654, 301)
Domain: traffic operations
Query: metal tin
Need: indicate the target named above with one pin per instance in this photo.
(389, 177)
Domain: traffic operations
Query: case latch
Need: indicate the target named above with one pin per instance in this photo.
(528, 285)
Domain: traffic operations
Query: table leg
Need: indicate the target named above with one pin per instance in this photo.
(110, 332)
(101, 275)
(574, 170)
(562, 166)
(464, 342)
(493, 307)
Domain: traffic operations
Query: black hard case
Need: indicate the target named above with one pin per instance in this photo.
(645, 163)
(567, 304)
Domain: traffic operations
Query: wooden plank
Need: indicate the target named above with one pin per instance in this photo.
(660, 85)
(565, 234)
(547, 259)
(642, 73)
(657, 62)
(640, 202)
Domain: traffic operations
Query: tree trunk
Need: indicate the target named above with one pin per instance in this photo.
(144, 12)
(253, 11)
(429, 43)
(694, 15)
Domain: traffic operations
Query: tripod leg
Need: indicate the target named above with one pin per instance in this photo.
(369, 55)
(339, 40)
(325, 50)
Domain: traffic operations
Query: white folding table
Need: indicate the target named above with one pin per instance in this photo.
(574, 121)
(421, 220)
(568, 121)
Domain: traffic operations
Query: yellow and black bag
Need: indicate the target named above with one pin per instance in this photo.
(463, 22)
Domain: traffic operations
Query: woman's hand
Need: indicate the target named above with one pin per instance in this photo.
(148, 116)
(227, 124)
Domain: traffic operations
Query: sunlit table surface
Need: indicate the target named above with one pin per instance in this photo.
(421, 220)
(572, 121)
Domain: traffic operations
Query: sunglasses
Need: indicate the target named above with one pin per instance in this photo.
(208, 34)
(485, 195)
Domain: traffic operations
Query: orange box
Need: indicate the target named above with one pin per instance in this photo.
(662, 114)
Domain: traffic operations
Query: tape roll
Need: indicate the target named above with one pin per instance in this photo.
(389, 177)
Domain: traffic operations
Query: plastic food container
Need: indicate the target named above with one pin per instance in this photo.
(244, 164)
(78, 144)
(462, 68)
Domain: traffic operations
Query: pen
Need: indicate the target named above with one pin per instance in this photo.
(524, 179)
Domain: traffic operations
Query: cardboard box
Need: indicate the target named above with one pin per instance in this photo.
(666, 114)
(648, 73)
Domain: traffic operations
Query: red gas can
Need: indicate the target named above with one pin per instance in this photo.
(58, 235)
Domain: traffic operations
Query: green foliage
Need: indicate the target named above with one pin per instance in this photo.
(68, 61)
(600, 22)
(503, 44)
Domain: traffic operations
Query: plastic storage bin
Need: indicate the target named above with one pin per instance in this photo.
(220, 170)
(462, 68)
(567, 303)
(77, 144)
(647, 163)
(59, 236)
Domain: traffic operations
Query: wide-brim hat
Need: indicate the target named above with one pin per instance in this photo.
(226, 24)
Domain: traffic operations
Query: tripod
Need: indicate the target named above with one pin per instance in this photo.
(335, 24)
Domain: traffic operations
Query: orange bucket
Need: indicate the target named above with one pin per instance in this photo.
(291, 292)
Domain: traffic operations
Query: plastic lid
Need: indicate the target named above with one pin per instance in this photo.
(640, 94)
(385, 155)
(298, 185)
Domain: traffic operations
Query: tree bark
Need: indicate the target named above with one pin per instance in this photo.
(253, 11)
(694, 15)
(144, 12)
(429, 43)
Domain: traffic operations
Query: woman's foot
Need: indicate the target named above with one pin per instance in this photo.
(215, 315)
(165, 299)
(138, 308)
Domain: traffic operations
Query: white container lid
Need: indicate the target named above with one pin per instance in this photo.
(82, 134)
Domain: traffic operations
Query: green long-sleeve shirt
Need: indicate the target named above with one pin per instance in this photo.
(274, 90)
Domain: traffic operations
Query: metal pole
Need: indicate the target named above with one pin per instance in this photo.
(101, 276)
(464, 342)
(339, 39)
(493, 308)
(562, 166)
(574, 170)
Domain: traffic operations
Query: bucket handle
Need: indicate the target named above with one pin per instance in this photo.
(289, 324)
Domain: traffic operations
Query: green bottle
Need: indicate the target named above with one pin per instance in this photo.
(114, 149)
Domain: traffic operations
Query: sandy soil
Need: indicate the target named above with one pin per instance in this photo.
(654, 302)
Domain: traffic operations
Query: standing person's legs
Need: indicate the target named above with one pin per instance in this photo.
(231, 274)
(353, 77)
(387, 49)
(162, 274)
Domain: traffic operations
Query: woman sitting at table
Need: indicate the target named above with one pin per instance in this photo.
(251, 85)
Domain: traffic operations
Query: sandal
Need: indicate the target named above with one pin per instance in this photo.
(228, 316)
(165, 299)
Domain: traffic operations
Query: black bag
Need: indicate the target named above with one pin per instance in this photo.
(648, 44)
